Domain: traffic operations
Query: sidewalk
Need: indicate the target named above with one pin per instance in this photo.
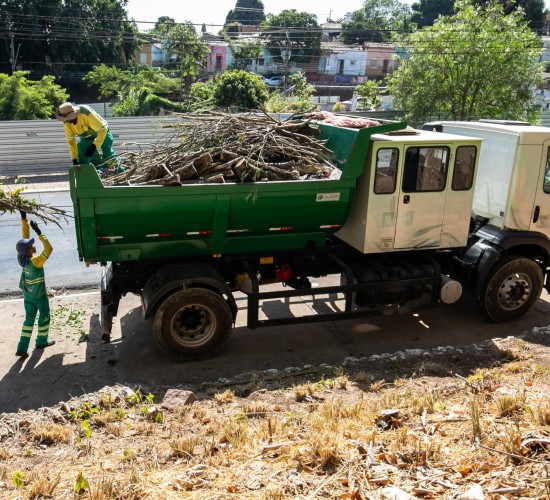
(33, 183)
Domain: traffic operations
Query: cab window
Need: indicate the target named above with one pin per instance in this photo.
(465, 162)
(386, 170)
(425, 169)
(547, 174)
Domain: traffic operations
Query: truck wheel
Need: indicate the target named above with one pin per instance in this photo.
(191, 324)
(513, 287)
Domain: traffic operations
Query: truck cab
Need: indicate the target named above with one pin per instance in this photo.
(416, 192)
(513, 181)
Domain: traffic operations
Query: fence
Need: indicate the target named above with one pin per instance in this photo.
(31, 147)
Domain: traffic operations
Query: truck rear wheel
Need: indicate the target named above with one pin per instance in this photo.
(512, 288)
(191, 324)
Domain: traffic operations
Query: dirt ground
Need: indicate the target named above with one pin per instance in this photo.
(468, 421)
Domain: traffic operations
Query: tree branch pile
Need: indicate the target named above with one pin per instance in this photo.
(219, 148)
(11, 201)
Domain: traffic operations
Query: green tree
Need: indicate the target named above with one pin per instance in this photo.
(534, 10)
(425, 12)
(232, 30)
(201, 97)
(300, 88)
(247, 12)
(478, 63)
(370, 96)
(23, 99)
(377, 21)
(163, 25)
(65, 36)
(240, 89)
(114, 82)
(244, 52)
(190, 50)
(293, 31)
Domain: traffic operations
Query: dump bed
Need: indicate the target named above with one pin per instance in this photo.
(126, 223)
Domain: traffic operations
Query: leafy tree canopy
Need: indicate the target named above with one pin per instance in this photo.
(377, 21)
(163, 25)
(240, 89)
(534, 11)
(297, 98)
(190, 50)
(244, 51)
(425, 12)
(113, 82)
(23, 99)
(64, 36)
(478, 63)
(232, 30)
(370, 96)
(293, 31)
(247, 12)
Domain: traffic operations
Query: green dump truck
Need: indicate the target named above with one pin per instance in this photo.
(397, 228)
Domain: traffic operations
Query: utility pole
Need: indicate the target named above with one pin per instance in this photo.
(13, 56)
(285, 56)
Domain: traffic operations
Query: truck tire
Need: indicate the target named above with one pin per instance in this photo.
(192, 324)
(512, 288)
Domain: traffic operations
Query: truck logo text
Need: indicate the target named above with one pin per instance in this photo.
(328, 197)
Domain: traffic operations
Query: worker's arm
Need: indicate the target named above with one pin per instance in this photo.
(25, 230)
(97, 123)
(71, 141)
(40, 260)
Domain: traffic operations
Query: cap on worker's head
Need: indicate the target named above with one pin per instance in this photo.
(67, 111)
(22, 248)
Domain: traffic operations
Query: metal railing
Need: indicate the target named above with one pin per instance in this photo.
(32, 147)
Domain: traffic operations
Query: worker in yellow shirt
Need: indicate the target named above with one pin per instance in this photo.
(33, 284)
(94, 133)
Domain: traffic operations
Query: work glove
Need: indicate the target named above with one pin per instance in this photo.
(35, 227)
(75, 162)
(90, 150)
(23, 214)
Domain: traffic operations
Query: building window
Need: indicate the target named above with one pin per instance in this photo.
(374, 63)
(261, 62)
(352, 63)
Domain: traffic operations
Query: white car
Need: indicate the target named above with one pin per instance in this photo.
(274, 81)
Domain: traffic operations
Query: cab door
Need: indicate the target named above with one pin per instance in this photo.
(540, 217)
(421, 204)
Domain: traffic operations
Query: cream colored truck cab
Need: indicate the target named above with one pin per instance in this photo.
(415, 193)
(477, 194)
(513, 181)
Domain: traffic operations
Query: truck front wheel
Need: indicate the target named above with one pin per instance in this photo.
(512, 288)
(192, 323)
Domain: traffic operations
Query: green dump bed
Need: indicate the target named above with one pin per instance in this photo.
(127, 223)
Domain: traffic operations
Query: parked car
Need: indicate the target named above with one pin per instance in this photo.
(274, 81)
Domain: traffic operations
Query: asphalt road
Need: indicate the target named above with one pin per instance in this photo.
(63, 269)
(80, 363)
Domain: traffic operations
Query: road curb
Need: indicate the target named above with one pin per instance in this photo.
(34, 178)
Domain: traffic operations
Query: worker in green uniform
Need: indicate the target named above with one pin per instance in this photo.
(94, 133)
(33, 284)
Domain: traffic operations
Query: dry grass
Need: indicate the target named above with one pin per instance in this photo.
(319, 438)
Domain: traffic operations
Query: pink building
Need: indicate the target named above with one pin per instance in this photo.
(379, 59)
(217, 59)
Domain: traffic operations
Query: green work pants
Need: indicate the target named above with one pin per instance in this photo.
(32, 307)
(96, 160)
